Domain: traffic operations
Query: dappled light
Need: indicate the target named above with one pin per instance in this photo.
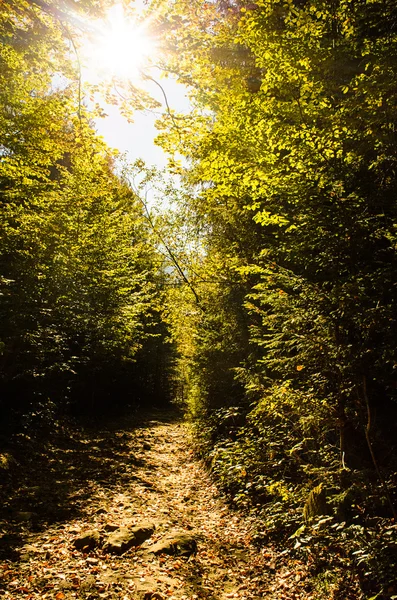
(198, 390)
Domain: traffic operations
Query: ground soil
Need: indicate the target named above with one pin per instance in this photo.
(121, 476)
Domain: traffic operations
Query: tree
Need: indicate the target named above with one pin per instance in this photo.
(81, 280)
(292, 145)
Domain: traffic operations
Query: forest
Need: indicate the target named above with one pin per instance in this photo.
(259, 300)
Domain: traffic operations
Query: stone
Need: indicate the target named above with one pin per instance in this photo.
(316, 504)
(27, 551)
(23, 515)
(88, 584)
(87, 540)
(110, 527)
(125, 538)
(178, 544)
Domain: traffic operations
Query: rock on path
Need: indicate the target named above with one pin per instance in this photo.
(117, 482)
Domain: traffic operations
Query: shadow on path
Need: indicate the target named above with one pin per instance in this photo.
(53, 481)
(110, 477)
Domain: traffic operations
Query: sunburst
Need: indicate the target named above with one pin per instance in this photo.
(117, 47)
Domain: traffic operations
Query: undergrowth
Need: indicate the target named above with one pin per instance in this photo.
(349, 548)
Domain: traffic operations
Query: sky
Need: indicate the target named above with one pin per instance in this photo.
(137, 139)
(122, 47)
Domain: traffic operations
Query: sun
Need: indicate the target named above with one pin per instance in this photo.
(117, 47)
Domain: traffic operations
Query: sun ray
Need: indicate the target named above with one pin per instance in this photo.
(117, 47)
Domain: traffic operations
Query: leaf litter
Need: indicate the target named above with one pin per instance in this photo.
(119, 477)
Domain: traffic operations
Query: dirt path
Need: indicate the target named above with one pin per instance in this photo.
(120, 478)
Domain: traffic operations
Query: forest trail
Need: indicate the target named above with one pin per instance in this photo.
(121, 477)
